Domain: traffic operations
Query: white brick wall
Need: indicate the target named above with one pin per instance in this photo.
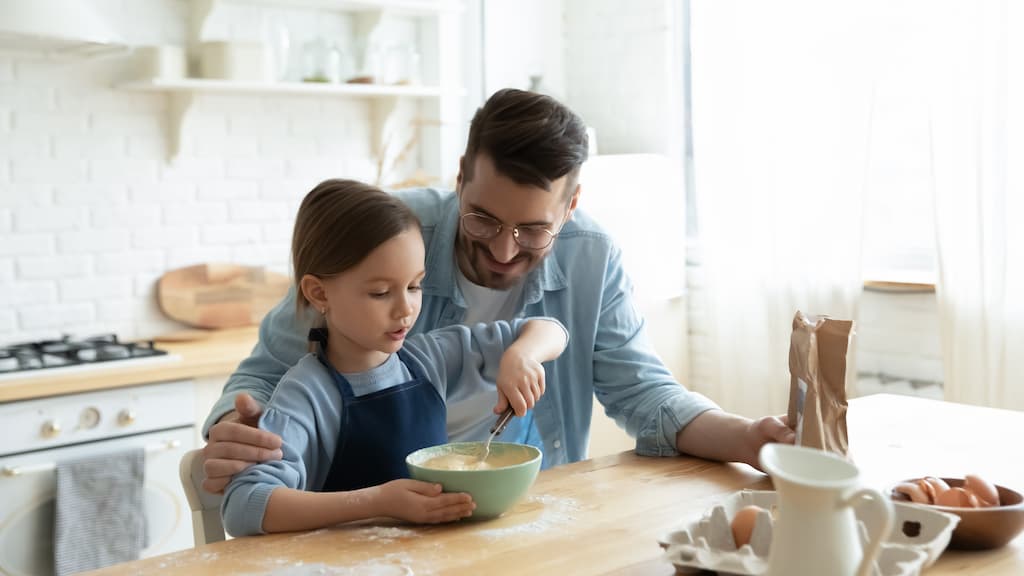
(28, 293)
(6, 71)
(53, 267)
(21, 145)
(7, 320)
(623, 74)
(91, 212)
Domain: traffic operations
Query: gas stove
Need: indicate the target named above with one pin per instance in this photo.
(50, 357)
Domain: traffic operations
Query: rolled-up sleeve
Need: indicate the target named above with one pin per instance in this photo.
(630, 380)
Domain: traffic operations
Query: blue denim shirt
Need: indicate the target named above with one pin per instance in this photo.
(582, 284)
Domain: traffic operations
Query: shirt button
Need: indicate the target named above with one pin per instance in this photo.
(557, 444)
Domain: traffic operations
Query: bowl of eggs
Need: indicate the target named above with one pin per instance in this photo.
(495, 482)
(990, 515)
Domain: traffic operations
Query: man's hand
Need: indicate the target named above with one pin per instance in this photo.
(764, 430)
(718, 435)
(423, 502)
(236, 443)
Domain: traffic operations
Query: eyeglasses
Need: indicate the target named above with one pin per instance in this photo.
(486, 228)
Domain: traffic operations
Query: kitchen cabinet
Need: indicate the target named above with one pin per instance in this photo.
(207, 392)
(105, 426)
(426, 105)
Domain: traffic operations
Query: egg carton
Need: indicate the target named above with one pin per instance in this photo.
(918, 537)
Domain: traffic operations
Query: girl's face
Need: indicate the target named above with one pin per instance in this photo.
(371, 307)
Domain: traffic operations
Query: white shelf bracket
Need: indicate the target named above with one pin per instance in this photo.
(199, 13)
(367, 23)
(383, 133)
(180, 103)
(381, 111)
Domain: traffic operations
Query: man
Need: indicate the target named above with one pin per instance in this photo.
(509, 242)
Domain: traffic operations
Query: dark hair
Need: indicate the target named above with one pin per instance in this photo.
(339, 223)
(532, 139)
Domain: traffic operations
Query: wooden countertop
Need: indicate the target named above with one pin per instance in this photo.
(604, 516)
(215, 355)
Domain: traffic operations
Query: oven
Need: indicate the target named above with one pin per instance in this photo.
(40, 433)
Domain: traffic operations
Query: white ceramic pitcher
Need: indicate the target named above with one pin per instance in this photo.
(816, 531)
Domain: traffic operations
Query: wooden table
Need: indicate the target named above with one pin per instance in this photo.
(604, 516)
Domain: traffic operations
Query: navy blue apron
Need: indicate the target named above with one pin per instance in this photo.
(381, 428)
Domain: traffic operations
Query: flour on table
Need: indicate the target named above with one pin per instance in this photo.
(393, 564)
(557, 511)
(384, 534)
(182, 557)
(365, 569)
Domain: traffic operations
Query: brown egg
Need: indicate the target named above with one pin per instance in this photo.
(743, 524)
(927, 489)
(937, 485)
(913, 491)
(957, 498)
(982, 489)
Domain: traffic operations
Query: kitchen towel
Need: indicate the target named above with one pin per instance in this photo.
(101, 517)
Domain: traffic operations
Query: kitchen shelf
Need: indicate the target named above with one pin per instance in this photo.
(430, 112)
(301, 88)
(411, 7)
(182, 97)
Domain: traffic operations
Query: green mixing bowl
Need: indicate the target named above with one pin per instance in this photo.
(494, 489)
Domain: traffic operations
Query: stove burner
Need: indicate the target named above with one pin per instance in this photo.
(8, 362)
(68, 352)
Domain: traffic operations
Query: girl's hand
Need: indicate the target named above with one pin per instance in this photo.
(520, 382)
(423, 502)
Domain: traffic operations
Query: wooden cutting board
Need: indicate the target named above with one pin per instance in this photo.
(220, 295)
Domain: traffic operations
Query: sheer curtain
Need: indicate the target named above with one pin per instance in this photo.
(781, 108)
(977, 134)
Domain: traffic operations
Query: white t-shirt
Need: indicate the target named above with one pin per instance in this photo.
(486, 304)
(469, 410)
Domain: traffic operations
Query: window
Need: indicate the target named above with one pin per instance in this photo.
(899, 233)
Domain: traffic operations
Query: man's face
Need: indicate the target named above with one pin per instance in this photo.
(500, 262)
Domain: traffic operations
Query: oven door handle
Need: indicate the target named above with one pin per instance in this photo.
(11, 471)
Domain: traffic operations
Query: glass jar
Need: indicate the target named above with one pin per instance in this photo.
(315, 61)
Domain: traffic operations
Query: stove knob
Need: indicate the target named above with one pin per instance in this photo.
(126, 417)
(89, 418)
(51, 429)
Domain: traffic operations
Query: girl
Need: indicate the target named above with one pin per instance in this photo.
(350, 412)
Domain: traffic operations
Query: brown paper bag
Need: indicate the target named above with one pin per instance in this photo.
(818, 353)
